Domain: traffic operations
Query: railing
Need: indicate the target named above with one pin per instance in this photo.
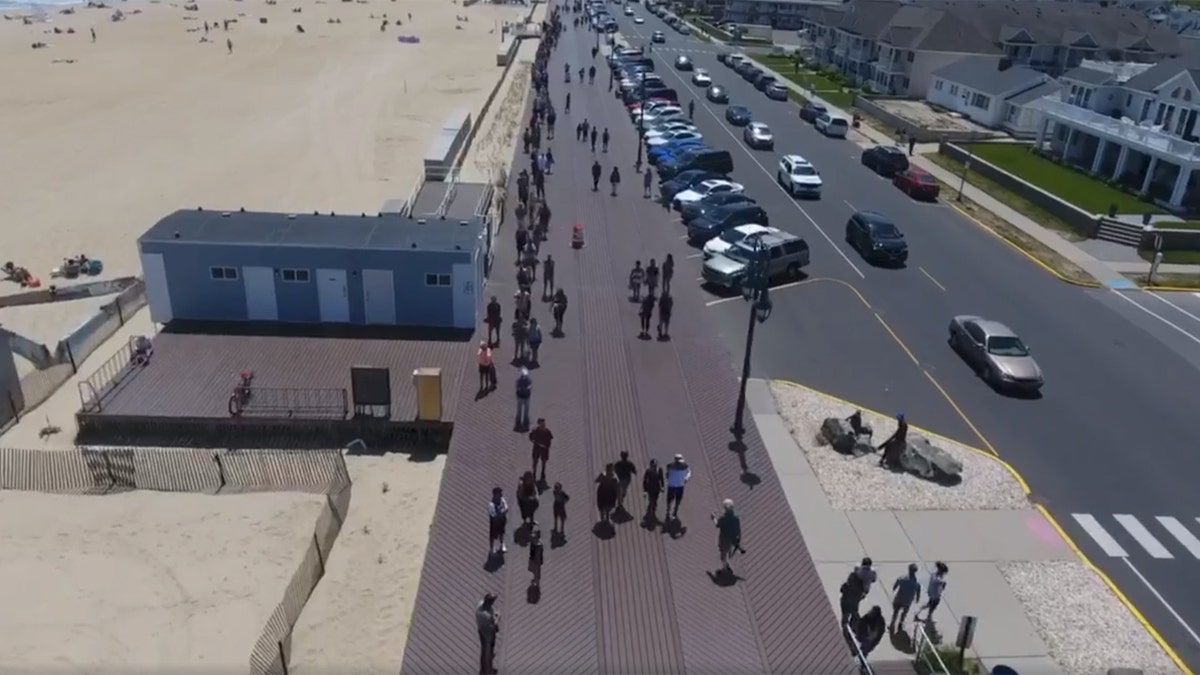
(412, 195)
(326, 404)
(926, 652)
(1123, 130)
(451, 191)
(101, 383)
(864, 667)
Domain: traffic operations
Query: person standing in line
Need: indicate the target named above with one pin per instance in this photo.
(521, 237)
(652, 277)
(646, 314)
(539, 185)
(536, 557)
(625, 470)
(524, 394)
(905, 591)
(497, 521)
(678, 474)
(615, 179)
(520, 211)
(484, 357)
(729, 533)
(524, 280)
(547, 277)
(666, 305)
(520, 336)
(668, 272)
(652, 485)
(637, 276)
(551, 118)
(596, 173)
(595, 135)
(647, 179)
(850, 595)
(535, 342)
(560, 509)
(487, 620)
(558, 307)
(933, 592)
(866, 574)
(541, 437)
(494, 320)
(607, 493)
(527, 499)
(870, 630)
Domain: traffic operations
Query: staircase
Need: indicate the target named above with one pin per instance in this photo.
(1120, 232)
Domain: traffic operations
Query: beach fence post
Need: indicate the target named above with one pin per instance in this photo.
(220, 471)
(320, 555)
(282, 657)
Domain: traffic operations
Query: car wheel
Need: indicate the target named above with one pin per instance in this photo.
(793, 270)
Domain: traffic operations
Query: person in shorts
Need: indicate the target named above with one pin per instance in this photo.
(729, 533)
(678, 474)
(541, 437)
(497, 521)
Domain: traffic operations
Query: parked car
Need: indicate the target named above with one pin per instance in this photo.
(671, 151)
(683, 29)
(809, 112)
(763, 81)
(734, 60)
(669, 127)
(675, 137)
(758, 136)
(995, 352)
(717, 94)
(708, 187)
(876, 238)
(784, 254)
(720, 245)
(885, 160)
(665, 112)
(776, 92)
(738, 115)
(917, 183)
(701, 78)
(711, 159)
(833, 126)
(751, 74)
(799, 177)
(689, 212)
(628, 10)
(639, 20)
(658, 37)
(721, 56)
(725, 218)
(667, 189)
(682, 62)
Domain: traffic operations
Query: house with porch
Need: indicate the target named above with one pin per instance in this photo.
(985, 89)
(1130, 123)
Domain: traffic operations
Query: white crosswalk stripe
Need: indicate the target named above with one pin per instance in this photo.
(1168, 532)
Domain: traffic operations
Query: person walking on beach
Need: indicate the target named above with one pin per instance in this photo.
(547, 276)
(905, 591)
(596, 173)
(560, 509)
(541, 437)
(646, 314)
(535, 342)
(527, 499)
(615, 179)
(637, 276)
(487, 372)
(229, 43)
(497, 521)
(668, 271)
(205, 30)
(494, 321)
(524, 394)
(933, 592)
(666, 305)
(537, 554)
(625, 470)
(558, 307)
(607, 493)
(487, 620)
(678, 474)
(652, 485)
(604, 140)
(729, 534)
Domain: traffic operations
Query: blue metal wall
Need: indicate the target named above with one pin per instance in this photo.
(195, 295)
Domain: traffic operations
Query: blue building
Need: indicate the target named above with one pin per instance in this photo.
(206, 265)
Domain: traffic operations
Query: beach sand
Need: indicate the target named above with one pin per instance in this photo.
(357, 620)
(145, 582)
(148, 119)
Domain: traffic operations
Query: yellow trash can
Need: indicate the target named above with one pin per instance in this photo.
(428, 382)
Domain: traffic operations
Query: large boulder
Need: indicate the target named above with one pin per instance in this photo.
(839, 434)
(923, 458)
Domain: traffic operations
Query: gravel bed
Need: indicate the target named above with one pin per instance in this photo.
(1085, 627)
(858, 484)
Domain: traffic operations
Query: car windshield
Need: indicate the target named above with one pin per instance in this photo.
(803, 170)
(738, 110)
(837, 122)
(1008, 345)
(732, 236)
(885, 230)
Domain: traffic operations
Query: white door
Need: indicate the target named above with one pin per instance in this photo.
(464, 296)
(379, 297)
(158, 293)
(332, 298)
(260, 294)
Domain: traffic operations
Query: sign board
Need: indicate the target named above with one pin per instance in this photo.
(966, 633)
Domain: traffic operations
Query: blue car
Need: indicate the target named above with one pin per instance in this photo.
(685, 181)
(672, 149)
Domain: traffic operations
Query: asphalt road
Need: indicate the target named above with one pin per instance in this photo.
(1112, 433)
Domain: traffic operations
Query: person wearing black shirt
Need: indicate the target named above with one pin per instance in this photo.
(646, 313)
(668, 271)
(652, 484)
(665, 306)
(596, 172)
(559, 308)
(894, 446)
(607, 492)
(560, 509)
(494, 321)
(625, 471)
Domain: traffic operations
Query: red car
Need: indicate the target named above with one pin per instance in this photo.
(917, 183)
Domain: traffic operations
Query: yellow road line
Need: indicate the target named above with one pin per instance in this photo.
(898, 340)
(930, 277)
(963, 415)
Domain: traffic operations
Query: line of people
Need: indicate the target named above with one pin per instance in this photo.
(869, 629)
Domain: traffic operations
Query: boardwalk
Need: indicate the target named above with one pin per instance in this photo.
(642, 601)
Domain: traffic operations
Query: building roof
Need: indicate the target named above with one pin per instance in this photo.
(1088, 76)
(982, 74)
(378, 232)
(1030, 95)
(1157, 76)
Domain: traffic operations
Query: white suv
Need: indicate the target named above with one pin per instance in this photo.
(799, 177)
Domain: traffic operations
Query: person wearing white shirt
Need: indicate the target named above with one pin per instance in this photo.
(497, 521)
(678, 474)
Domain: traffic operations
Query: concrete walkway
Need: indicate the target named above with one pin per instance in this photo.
(838, 540)
(1106, 273)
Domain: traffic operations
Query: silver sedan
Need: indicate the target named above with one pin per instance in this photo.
(995, 352)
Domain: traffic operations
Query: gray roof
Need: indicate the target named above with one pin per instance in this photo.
(1088, 76)
(982, 74)
(1153, 78)
(1031, 95)
(374, 232)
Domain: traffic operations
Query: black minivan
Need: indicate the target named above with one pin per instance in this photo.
(707, 159)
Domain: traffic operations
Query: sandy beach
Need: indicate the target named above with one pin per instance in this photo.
(145, 582)
(109, 136)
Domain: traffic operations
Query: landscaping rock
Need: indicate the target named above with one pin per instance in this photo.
(923, 458)
(839, 434)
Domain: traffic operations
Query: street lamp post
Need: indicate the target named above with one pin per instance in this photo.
(756, 291)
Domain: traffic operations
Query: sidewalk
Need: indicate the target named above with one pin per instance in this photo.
(1107, 274)
(838, 540)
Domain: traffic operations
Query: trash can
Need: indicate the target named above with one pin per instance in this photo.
(428, 383)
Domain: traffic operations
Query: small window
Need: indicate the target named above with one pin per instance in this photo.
(294, 276)
(910, 57)
(938, 85)
(223, 273)
(439, 280)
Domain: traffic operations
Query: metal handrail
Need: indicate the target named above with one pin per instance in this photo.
(412, 195)
(922, 640)
(864, 667)
(295, 403)
(105, 379)
(451, 191)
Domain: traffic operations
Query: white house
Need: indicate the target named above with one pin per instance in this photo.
(983, 88)
(1131, 123)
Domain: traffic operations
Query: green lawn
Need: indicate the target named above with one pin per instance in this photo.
(1173, 257)
(1068, 184)
(821, 85)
